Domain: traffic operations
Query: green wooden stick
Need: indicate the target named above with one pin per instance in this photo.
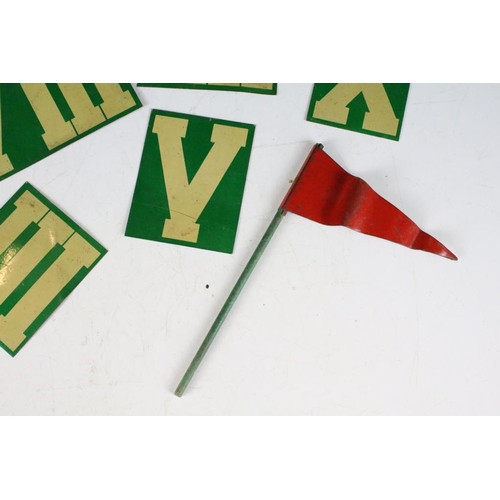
(226, 308)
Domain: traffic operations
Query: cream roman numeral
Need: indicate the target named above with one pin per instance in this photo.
(380, 117)
(57, 131)
(187, 200)
(15, 268)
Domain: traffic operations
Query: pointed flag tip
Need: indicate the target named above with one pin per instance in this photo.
(428, 243)
(446, 254)
(450, 255)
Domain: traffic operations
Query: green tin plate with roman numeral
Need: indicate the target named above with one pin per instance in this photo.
(37, 119)
(370, 108)
(255, 88)
(191, 181)
(44, 255)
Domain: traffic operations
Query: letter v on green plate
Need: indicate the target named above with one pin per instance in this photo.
(191, 180)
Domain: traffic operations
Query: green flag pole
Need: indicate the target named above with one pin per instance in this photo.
(226, 308)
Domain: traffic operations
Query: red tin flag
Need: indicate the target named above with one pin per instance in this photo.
(324, 192)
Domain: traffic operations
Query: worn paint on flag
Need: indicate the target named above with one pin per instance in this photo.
(324, 192)
(371, 108)
(191, 180)
(255, 88)
(44, 255)
(37, 119)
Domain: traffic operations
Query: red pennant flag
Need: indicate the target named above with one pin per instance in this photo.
(324, 192)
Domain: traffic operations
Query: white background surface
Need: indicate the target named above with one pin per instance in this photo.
(331, 323)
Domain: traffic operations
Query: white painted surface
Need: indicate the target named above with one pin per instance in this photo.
(331, 323)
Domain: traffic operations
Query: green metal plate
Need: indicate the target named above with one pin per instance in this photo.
(191, 181)
(37, 119)
(255, 88)
(370, 108)
(44, 255)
